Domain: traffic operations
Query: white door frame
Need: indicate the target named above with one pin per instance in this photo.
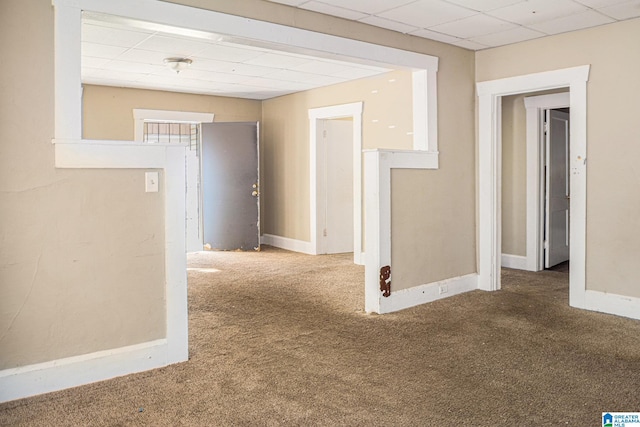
(535, 107)
(490, 95)
(354, 111)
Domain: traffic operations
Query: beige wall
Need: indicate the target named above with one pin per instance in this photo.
(613, 220)
(433, 211)
(108, 111)
(285, 142)
(82, 253)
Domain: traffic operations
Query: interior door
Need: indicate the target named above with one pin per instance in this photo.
(230, 186)
(557, 188)
(336, 185)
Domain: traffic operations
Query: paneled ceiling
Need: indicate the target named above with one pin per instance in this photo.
(126, 53)
(477, 24)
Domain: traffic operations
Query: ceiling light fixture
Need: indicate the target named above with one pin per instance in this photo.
(178, 64)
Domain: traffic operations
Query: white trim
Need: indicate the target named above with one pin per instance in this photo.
(518, 262)
(377, 169)
(353, 110)
(141, 115)
(405, 298)
(287, 243)
(88, 154)
(489, 176)
(25, 381)
(67, 78)
(425, 110)
(535, 106)
(612, 304)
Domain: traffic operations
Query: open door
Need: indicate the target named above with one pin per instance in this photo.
(230, 186)
(557, 188)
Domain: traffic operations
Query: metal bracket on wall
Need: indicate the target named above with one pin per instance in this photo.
(385, 280)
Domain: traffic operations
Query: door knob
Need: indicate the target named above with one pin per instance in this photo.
(254, 193)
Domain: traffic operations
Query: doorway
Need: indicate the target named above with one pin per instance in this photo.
(535, 228)
(328, 205)
(538, 109)
(490, 94)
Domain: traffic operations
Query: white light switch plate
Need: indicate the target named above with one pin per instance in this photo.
(151, 182)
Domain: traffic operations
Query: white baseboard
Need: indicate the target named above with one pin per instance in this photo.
(25, 381)
(514, 261)
(612, 304)
(287, 243)
(405, 298)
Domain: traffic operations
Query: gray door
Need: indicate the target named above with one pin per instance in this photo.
(230, 186)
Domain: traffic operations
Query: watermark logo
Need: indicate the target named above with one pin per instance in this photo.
(621, 419)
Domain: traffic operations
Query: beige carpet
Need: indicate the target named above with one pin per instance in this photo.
(278, 338)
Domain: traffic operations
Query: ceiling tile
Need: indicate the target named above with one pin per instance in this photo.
(228, 53)
(320, 67)
(515, 35)
(215, 77)
(245, 69)
(387, 23)
(177, 80)
(586, 19)
(101, 51)
(622, 11)
(536, 11)
(276, 60)
(289, 75)
(600, 3)
(324, 80)
(91, 62)
(368, 6)
(433, 35)
(476, 25)
(112, 36)
(146, 56)
(117, 75)
(468, 44)
(134, 67)
(427, 13)
(356, 73)
(484, 5)
(329, 9)
(185, 47)
(261, 81)
(88, 72)
(289, 2)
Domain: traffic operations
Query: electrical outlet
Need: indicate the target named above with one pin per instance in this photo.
(443, 289)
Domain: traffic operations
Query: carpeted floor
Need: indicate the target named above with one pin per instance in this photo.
(278, 338)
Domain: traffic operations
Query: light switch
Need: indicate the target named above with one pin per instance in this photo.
(151, 182)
